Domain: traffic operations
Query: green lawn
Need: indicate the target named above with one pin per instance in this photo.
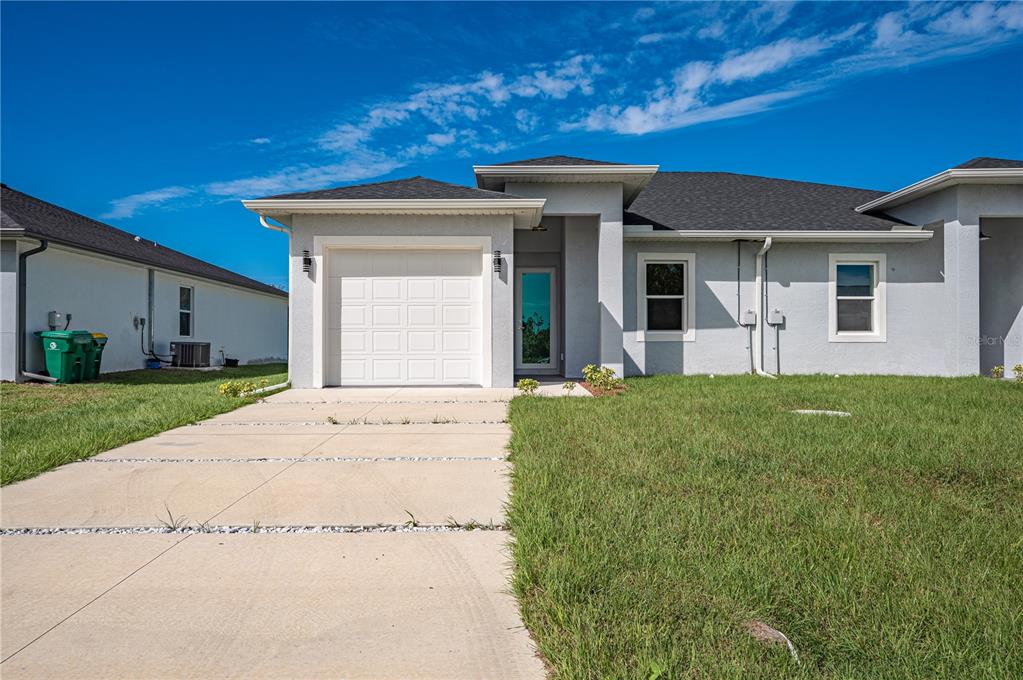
(43, 426)
(651, 528)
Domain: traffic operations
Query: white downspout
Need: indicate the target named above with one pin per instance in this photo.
(276, 227)
(758, 355)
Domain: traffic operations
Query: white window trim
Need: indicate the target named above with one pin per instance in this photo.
(689, 332)
(880, 332)
(191, 311)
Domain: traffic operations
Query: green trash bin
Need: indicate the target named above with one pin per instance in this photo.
(66, 354)
(95, 357)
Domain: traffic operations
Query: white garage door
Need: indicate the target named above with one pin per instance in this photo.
(401, 317)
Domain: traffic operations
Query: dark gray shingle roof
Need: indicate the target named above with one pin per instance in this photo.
(558, 160)
(724, 200)
(398, 189)
(39, 219)
(987, 163)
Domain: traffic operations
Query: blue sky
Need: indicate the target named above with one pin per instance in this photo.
(157, 118)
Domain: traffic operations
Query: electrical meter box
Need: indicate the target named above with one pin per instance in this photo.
(775, 317)
(749, 318)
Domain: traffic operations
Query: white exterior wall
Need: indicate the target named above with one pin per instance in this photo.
(308, 315)
(102, 295)
(250, 326)
(797, 284)
(105, 295)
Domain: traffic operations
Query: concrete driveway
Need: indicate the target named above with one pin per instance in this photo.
(320, 534)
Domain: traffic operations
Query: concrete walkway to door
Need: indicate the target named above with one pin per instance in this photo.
(320, 534)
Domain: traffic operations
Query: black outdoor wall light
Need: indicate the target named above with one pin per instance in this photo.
(497, 261)
(307, 262)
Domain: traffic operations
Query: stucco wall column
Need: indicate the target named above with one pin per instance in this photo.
(609, 294)
(962, 287)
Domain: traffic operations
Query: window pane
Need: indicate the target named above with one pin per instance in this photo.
(664, 315)
(184, 323)
(665, 279)
(855, 315)
(185, 298)
(855, 279)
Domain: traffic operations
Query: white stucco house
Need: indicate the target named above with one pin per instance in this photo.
(142, 295)
(553, 263)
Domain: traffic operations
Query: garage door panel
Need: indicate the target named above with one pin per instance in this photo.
(405, 317)
(387, 370)
(423, 370)
(422, 341)
(386, 342)
(386, 315)
(352, 316)
(422, 316)
(423, 289)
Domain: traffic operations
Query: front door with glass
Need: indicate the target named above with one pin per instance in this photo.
(536, 340)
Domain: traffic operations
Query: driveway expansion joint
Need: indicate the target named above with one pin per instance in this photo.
(272, 529)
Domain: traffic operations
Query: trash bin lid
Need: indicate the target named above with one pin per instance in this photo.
(65, 335)
(99, 335)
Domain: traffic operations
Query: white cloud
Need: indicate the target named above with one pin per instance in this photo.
(768, 58)
(526, 120)
(129, 205)
(259, 140)
(441, 139)
(712, 31)
(644, 13)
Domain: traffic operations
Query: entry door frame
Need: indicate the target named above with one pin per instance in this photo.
(554, 367)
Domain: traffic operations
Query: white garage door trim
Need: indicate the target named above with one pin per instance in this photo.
(323, 244)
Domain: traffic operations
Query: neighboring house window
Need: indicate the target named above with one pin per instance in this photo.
(185, 304)
(856, 298)
(665, 300)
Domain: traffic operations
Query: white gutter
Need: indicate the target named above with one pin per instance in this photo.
(284, 229)
(899, 235)
(531, 209)
(946, 179)
(758, 355)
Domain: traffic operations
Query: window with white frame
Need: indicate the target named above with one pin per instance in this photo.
(856, 291)
(185, 304)
(665, 309)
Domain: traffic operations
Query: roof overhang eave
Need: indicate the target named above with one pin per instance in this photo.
(526, 211)
(943, 180)
(899, 235)
(632, 177)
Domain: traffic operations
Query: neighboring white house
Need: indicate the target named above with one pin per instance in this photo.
(554, 263)
(140, 294)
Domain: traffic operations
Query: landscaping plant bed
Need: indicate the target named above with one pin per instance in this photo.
(603, 392)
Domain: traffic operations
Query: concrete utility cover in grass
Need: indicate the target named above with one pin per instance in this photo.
(816, 412)
(310, 605)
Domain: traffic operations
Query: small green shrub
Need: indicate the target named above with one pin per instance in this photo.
(527, 386)
(602, 377)
(1017, 371)
(568, 386)
(998, 372)
(240, 388)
